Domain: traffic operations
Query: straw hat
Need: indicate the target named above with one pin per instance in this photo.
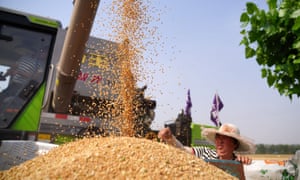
(245, 144)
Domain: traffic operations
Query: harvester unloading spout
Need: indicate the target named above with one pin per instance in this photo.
(69, 64)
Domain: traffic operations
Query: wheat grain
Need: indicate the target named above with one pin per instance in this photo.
(115, 158)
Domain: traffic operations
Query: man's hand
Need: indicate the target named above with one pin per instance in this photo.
(244, 159)
(165, 134)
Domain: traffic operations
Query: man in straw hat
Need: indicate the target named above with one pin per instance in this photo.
(227, 140)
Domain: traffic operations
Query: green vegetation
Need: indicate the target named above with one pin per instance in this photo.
(273, 37)
(277, 149)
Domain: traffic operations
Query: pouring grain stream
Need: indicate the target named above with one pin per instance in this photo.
(129, 22)
(127, 91)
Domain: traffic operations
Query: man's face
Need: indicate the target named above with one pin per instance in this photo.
(225, 145)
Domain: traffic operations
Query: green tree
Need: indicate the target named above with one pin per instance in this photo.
(260, 149)
(273, 37)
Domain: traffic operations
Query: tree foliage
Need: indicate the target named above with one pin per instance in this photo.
(273, 37)
(277, 148)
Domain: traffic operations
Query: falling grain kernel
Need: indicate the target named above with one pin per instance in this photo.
(128, 25)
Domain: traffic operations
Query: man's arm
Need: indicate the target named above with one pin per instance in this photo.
(166, 135)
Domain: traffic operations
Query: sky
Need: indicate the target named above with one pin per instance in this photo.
(198, 49)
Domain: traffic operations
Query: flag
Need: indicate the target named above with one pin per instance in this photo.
(216, 108)
(188, 105)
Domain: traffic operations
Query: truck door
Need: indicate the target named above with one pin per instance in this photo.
(26, 44)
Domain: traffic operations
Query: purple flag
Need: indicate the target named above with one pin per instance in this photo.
(188, 105)
(216, 108)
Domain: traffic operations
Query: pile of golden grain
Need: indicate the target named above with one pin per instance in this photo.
(115, 158)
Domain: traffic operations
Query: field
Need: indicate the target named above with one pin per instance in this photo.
(270, 156)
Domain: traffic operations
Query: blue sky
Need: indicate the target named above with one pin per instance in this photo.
(198, 49)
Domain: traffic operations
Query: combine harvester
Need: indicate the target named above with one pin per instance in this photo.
(70, 90)
(71, 93)
(73, 83)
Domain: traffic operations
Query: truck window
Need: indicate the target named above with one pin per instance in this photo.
(23, 60)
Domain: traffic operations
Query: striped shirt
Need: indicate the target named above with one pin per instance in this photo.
(207, 153)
